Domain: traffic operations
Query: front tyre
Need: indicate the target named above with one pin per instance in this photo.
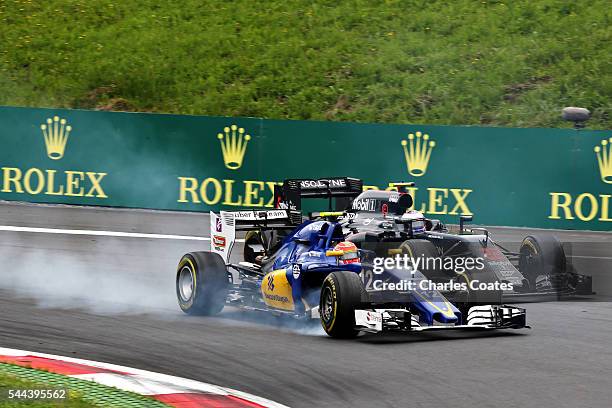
(542, 261)
(340, 294)
(201, 283)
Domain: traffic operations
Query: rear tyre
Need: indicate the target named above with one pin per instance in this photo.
(201, 283)
(341, 293)
(542, 256)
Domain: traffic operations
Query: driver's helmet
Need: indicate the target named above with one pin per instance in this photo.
(351, 255)
(418, 221)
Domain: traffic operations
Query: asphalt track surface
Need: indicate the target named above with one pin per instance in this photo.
(112, 299)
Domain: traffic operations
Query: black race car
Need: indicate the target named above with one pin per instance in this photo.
(383, 223)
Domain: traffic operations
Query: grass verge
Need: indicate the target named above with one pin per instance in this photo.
(81, 393)
(489, 62)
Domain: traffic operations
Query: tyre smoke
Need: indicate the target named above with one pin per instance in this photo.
(99, 274)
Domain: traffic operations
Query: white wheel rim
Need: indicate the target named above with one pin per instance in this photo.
(185, 284)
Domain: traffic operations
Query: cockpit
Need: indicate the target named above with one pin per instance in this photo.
(384, 205)
(320, 234)
(316, 236)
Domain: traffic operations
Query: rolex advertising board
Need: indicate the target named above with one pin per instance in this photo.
(549, 178)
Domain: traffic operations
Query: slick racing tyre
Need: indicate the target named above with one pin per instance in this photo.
(542, 261)
(201, 283)
(341, 293)
(417, 248)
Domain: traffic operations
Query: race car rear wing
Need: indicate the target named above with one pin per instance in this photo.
(343, 189)
(223, 227)
(265, 219)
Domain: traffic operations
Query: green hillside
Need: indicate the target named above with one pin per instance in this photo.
(502, 63)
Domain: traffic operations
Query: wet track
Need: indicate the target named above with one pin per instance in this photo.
(112, 299)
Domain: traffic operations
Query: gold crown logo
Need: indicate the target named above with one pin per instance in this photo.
(417, 150)
(233, 145)
(56, 136)
(604, 158)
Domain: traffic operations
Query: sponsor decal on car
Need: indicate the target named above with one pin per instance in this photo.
(364, 204)
(270, 282)
(286, 205)
(384, 209)
(260, 215)
(322, 184)
(373, 317)
(219, 242)
(296, 271)
(348, 216)
(277, 298)
(369, 318)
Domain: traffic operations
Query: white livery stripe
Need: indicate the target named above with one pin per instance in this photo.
(119, 234)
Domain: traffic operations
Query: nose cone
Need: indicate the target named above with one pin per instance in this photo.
(434, 307)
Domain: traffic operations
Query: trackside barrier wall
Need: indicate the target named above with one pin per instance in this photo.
(550, 178)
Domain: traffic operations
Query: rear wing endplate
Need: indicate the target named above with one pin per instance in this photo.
(222, 234)
(223, 227)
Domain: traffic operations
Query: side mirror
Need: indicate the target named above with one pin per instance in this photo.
(576, 115)
(462, 220)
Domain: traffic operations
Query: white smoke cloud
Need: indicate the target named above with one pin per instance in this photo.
(108, 275)
(98, 274)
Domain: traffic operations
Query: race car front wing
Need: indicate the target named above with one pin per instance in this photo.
(485, 317)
